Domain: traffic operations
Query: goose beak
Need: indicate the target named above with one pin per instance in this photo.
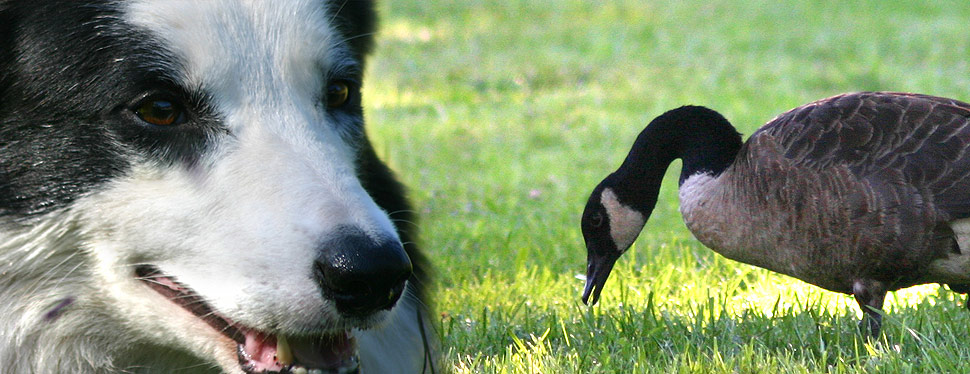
(598, 268)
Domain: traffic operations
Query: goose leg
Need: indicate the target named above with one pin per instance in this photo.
(870, 295)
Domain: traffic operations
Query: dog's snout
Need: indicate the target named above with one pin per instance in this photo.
(360, 274)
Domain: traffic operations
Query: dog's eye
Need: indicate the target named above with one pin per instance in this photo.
(159, 112)
(338, 94)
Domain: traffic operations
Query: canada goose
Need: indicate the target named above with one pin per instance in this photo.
(860, 193)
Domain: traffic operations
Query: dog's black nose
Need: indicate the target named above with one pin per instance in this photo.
(360, 274)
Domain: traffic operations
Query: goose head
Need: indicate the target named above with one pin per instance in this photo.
(610, 226)
(620, 205)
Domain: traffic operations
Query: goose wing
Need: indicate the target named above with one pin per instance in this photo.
(922, 141)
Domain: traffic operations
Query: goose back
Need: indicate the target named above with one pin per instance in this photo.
(924, 139)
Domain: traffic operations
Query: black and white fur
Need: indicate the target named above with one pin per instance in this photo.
(263, 205)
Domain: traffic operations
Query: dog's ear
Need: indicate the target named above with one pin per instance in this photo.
(357, 20)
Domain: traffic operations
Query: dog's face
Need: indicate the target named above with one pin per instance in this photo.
(211, 153)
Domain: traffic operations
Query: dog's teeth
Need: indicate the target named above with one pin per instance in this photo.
(316, 371)
(300, 371)
(283, 353)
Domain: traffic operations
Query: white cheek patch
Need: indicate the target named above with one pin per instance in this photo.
(625, 222)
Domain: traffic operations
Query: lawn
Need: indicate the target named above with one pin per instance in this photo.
(502, 115)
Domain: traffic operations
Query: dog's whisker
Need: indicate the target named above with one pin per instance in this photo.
(199, 365)
(55, 272)
(338, 10)
(154, 281)
(414, 224)
(192, 297)
(361, 35)
(152, 276)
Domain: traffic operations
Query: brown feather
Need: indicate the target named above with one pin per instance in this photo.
(857, 186)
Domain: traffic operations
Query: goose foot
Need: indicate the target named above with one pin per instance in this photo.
(870, 295)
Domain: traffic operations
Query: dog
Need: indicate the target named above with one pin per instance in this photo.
(187, 187)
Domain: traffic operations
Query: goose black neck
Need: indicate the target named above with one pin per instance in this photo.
(703, 139)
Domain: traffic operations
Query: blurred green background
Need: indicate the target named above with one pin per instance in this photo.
(501, 116)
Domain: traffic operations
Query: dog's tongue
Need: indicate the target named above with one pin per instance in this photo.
(266, 352)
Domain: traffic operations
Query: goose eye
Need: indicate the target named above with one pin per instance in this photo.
(159, 112)
(596, 220)
(338, 94)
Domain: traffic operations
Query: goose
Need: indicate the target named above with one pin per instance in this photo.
(860, 193)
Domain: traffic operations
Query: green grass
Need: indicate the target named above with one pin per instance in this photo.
(501, 115)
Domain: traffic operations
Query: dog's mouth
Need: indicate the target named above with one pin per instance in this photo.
(262, 352)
